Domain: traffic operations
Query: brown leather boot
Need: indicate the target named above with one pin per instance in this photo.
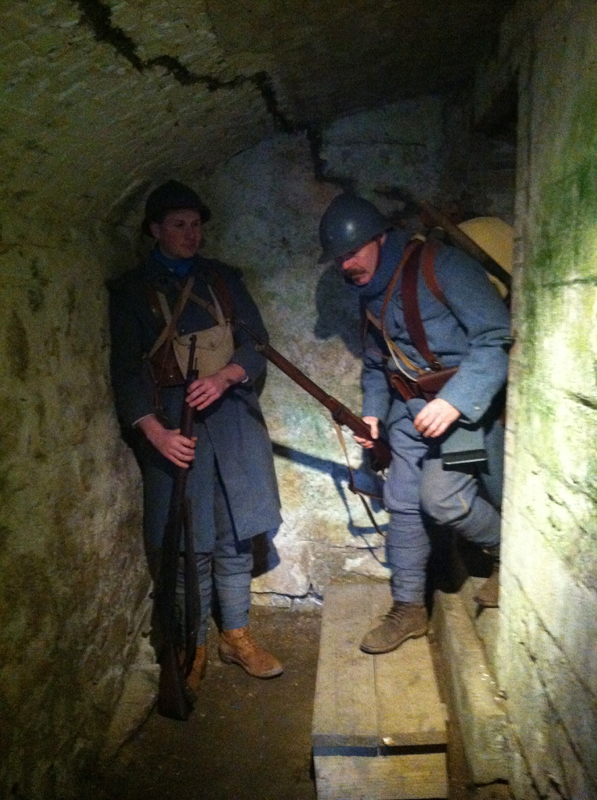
(403, 621)
(488, 595)
(198, 669)
(237, 647)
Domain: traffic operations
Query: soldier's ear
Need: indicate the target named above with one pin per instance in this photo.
(155, 229)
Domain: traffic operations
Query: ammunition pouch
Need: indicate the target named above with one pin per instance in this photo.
(425, 386)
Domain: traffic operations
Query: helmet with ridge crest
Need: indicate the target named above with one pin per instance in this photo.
(348, 223)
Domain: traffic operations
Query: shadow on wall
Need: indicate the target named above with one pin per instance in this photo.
(365, 479)
(337, 311)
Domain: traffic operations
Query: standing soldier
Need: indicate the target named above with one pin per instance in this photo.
(231, 488)
(434, 366)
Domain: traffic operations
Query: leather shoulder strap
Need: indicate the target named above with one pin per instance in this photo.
(412, 313)
(411, 254)
(428, 269)
(222, 292)
(170, 327)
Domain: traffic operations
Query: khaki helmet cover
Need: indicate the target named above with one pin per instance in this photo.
(496, 238)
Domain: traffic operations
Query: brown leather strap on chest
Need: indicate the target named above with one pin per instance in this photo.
(162, 359)
(410, 302)
(169, 328)
(428, 270)
(410, 256)
(222, 292)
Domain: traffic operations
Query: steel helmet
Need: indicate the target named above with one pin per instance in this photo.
(172, 196)
(348, 223)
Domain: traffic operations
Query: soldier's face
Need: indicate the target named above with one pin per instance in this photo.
(360, 266)
(179, 234)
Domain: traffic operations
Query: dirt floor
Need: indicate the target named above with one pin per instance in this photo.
(247, 739)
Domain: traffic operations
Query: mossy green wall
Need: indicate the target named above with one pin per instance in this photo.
(548, 659)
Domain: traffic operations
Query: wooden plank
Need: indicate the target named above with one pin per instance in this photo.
(405, 777)
(363, 700)
(409, 708)
(345, 710)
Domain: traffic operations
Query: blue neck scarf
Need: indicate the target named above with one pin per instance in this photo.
(179, 266)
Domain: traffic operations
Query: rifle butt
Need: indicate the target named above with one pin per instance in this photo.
(173, 701)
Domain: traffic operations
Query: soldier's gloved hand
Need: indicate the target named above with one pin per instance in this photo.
(373, 423)
(435, 418)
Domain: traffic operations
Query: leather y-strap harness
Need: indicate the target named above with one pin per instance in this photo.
(417, 254)
(410, 300)
(221, 293)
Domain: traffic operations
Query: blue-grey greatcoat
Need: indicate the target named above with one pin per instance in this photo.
(232, 438)
(471, 331)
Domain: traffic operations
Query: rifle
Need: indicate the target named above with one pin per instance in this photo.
(173, 695)
(380, 452)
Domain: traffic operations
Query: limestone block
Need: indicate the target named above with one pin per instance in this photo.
(558, 707)
(568, 610)
(290, 575)
(480, 710)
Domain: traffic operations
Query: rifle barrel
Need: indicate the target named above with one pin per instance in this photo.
(340, 413)
(173, 701)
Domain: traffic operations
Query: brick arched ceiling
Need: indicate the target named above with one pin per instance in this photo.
(99, 97)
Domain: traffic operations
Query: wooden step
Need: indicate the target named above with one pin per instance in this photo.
(379, 727)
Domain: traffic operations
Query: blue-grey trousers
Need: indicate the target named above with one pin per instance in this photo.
(226, 572)
(417, 484)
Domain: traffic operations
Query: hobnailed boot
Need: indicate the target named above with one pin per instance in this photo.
(488, 595)
(237, 647)
(403, 621)
(197, 672)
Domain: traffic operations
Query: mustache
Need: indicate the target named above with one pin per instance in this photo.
(350, 274)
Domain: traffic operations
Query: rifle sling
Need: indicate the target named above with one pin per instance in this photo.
(352, 485)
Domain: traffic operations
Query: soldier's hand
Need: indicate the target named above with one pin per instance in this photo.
(373, 423)
(205, 391)
(171, 444)
(435, 418)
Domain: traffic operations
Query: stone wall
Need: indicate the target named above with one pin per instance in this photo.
(99, 97)
(73, 585)
(548, 659)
